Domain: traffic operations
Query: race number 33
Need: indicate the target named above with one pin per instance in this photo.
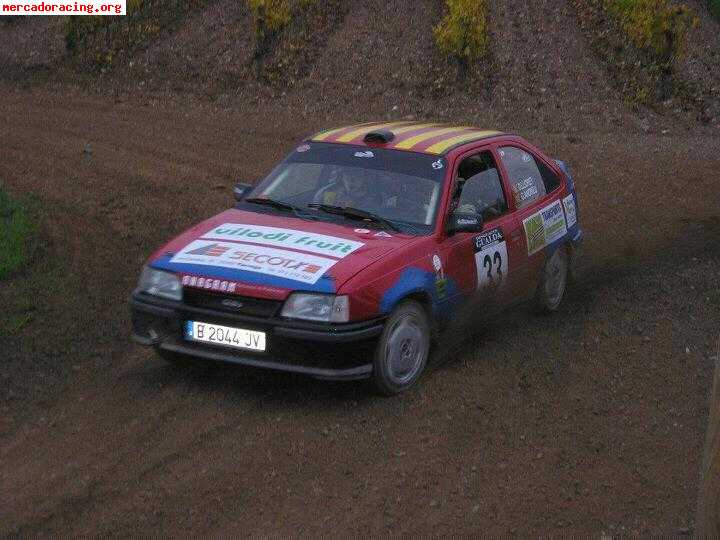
(491, 259)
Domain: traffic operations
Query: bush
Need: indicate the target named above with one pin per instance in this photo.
(462, 34)
(654, 25)
(17, 225)
(270, 16)
(714, 7)
(79, 28)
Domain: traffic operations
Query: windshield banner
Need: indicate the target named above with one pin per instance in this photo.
(287, 238)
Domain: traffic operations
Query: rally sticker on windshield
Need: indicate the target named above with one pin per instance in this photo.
(259, 259)
(286, 238)
(545, 227)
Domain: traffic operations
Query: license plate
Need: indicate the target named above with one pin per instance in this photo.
(225, 335)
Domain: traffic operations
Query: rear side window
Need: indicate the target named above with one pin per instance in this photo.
(530, 179)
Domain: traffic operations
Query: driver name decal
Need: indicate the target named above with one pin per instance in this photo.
(259, 259)
(287, 238)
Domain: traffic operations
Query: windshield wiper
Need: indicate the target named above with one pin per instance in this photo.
(280, 206)
(270, 202)
(356, 213)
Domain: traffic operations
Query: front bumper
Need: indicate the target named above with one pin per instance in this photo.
(324, 351)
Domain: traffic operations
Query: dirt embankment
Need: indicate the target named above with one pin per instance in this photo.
(591, 421)
(368, 60)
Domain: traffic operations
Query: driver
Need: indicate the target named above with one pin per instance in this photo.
(353, 190)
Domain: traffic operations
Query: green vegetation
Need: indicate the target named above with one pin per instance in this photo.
(100, 42)
(462, 34)
(17, 225)
(655, 26)
(271, 17)
(714, 7)
(78, 29)
(640, 42)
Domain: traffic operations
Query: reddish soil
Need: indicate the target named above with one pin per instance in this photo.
(586, 422)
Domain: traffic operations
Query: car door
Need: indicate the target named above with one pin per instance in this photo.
(535, 200)
(487, 263)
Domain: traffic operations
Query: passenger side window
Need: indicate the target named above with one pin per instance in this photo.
(479, 188)
(530, 179)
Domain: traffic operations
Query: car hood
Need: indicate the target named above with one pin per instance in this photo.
(270, 255)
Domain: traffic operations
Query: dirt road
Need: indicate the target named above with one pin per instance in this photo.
(589, 421)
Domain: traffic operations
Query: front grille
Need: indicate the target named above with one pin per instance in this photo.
(240, 305)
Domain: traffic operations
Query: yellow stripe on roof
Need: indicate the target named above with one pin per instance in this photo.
(411, 127)
(354, 134)
(417, 139)
(330, 132)
(442, 146)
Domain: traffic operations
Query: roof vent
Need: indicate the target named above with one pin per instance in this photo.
(381, 136)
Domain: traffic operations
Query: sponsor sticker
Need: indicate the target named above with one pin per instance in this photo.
(553, 222)
(366, 155)
(286, 238)
(570, 210)
(491, 259)
(438, 165)
(303, 148)
(524, 184)
(488, 239)
(215, 285)
(259, 259)
(534, 233)
(545, 227)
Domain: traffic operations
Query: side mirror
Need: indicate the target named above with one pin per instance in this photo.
(240, 190)
(465, 222)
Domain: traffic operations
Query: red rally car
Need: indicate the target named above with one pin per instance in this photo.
(356, 247)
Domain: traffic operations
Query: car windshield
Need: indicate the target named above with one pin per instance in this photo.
(400, 188)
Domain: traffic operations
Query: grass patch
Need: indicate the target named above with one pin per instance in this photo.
(17, 225)
(462, 34)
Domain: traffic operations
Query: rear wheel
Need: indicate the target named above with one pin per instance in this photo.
(403, 349)
(553, 282)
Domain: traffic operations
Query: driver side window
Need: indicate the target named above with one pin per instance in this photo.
(479, 188)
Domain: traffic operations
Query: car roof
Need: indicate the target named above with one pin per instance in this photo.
(412, 136)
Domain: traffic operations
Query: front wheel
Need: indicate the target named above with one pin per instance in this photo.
(553, 282)
(402, 352)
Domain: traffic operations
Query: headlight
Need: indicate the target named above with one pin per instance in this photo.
(159, 283)
(317, 307)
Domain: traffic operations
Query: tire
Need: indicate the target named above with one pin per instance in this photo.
(403, 349)
(553, 282)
